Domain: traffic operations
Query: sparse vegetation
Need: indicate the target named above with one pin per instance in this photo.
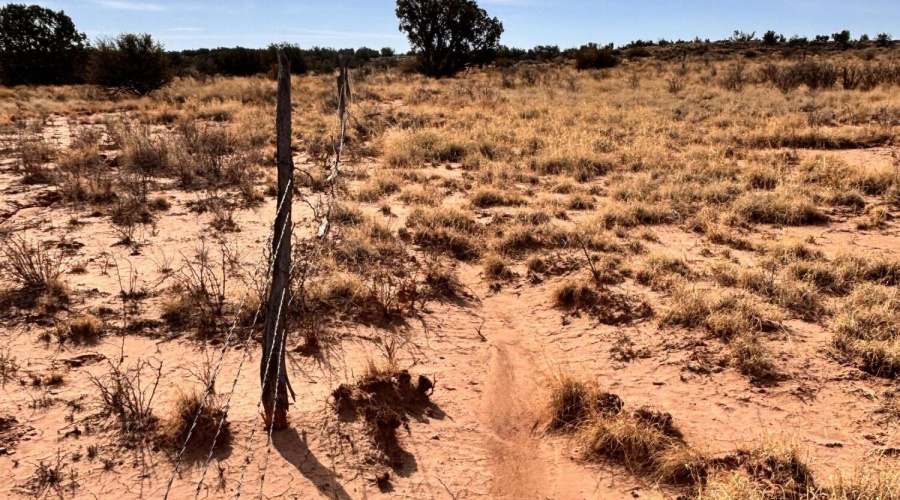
(678, 222)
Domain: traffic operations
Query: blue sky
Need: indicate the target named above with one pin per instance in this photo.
(355, 23)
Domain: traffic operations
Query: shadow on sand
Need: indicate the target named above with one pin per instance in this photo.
(295, 450)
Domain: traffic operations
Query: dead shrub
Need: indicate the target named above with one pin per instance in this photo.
(32, 158)
(127, 394)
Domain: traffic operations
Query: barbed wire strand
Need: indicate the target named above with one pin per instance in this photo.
(180, 456)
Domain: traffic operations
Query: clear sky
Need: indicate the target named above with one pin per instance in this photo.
(354, 23)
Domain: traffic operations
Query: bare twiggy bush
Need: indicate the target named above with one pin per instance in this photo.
(127, 393)
(33, 154)
(29, 265)
(9, 365)
(142, 153)
(33, 271)
(55, 475)
(201, 290)
(675, 84)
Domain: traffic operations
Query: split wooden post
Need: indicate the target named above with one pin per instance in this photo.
(272, 370)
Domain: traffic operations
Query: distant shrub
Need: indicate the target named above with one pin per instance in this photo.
(130, 63)
(592, 56)
(637, 53)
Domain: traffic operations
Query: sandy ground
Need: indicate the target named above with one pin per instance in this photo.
(492, 356)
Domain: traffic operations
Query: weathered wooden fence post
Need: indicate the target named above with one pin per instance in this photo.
(272, 369)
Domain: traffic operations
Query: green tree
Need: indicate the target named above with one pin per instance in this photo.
(842, 38)
(39, 46)
(449, 35)
(884, 40)
(130, 63)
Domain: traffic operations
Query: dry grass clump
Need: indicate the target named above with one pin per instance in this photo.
(496, 269)
(580, 202)
(377, 187)
(141, 150)
(346, 214)
(364, 244)
(789, 252)
(385, 399)
(867, 328)
(573, 402)
(339, 291)
(772, 471)
(724, 315)
(582, 169)
(645, 440)
(413, 148)
(874, 218)
(660, 272)
(212, 424)
(519, 238)
(733, 318)
(608, 307)
(882, 269)
(706, 222)
(777, 207)
(833, 172)
(445, 229)
(490, 197)
(418, 195)
(83, 329)
(795, 290)
(616, 214)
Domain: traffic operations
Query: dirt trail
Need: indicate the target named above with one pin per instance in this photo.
(524, 464)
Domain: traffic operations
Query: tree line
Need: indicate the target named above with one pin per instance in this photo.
(39, 46)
